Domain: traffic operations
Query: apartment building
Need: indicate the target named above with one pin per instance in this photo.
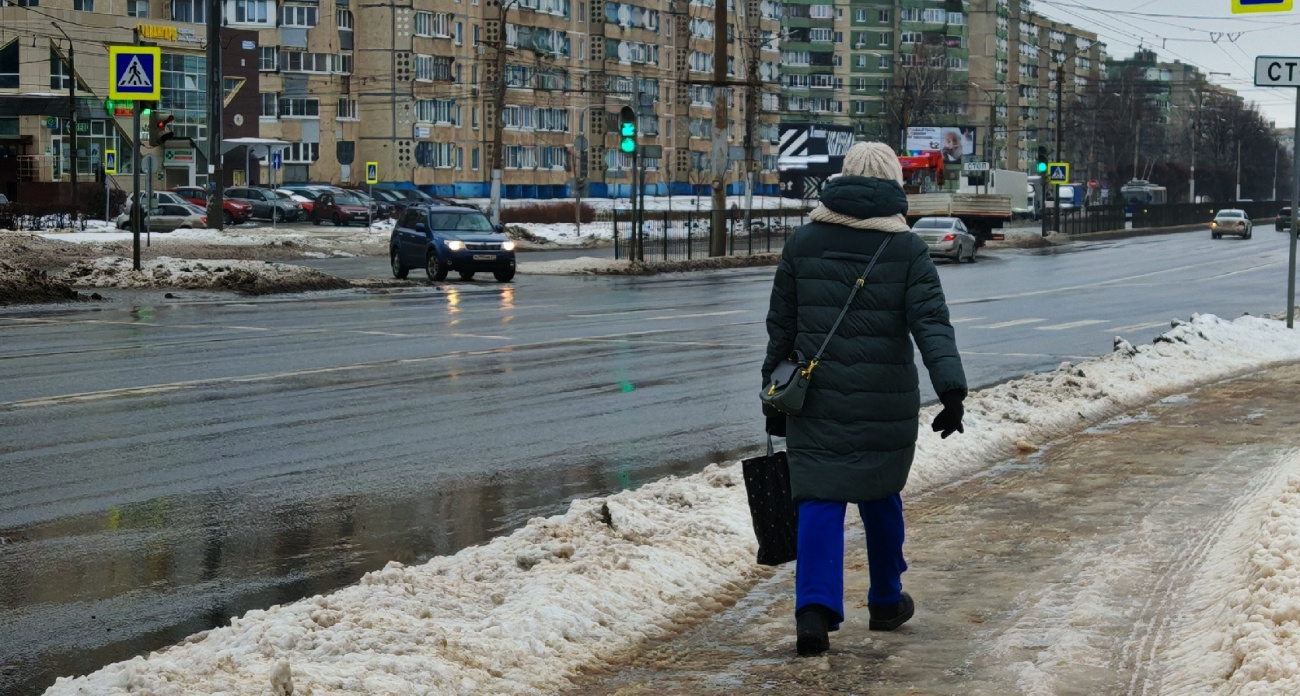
(413, 86)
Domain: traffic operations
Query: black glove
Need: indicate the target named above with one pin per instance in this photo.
(949, 419)
(775, 425)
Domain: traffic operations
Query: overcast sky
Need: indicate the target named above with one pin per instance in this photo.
(1187, 30)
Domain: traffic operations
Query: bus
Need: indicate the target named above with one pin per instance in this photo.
(1140, 192)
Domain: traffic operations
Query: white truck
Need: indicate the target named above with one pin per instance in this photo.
(983, 209)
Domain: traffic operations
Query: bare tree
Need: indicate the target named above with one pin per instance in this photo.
(921, 89)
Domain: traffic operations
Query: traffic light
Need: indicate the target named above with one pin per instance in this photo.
(627, 131)
(159, 130)
(1042, 160)
(110, 106)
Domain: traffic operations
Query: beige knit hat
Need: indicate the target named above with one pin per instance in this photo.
(875, 160)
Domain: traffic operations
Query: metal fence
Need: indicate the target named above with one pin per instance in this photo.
(1093, 218)
(684, 235)
(1198, 213)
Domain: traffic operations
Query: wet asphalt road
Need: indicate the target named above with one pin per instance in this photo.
(172, 463)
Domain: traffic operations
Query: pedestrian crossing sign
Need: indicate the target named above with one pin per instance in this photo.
(133, 73)
(110, 161)
(372, 173)
(1058, 172)
(1252, 6)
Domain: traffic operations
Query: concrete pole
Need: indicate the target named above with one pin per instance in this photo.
(718, 228)
(1238, 170)
(499, 92)
(216, 104)
(1295, 217)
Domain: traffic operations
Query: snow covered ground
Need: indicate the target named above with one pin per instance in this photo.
(254, 277)
(657, 203)
(522, 613)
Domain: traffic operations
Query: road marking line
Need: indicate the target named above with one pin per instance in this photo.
(704, 344)
(1139, 327)
(1008, 324)
(696, 316)
(962, 321)
(495, 338)
(1071, 325)
(1029, 355)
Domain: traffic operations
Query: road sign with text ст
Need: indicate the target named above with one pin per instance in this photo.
(1253, 6)
(372, 173)
(133, 73)
(1277, 71)
(1058, 172)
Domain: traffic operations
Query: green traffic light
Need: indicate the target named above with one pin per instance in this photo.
(629, 130)
(1042, 167)
(628, 145)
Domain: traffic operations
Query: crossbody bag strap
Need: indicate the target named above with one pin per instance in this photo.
(862, 280)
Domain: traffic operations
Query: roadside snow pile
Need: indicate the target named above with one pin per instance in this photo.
(25, 286)
(654, 203)
(579, 266)
(248, 277)
(522, 613)
(1237, 633)
(561, 233)
(516, 616)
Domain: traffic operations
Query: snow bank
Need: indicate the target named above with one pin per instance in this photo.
(562, 233)
(324, 236)
(523, 612)
(1239, 633)
(249, 277)
(19, 285)
(658, 203)
(578, 266)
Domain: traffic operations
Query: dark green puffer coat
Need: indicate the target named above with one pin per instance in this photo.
(856, 436)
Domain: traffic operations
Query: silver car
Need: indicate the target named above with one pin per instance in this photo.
(947, 238)
(170, 217)
(1231, 221)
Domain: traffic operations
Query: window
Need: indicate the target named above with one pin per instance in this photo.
(437, 111)
(137, 8)
(344, 19)
(860, 16)
(476, 35)
(347, 109)
(521, 157)
(458, 33)
(424, 68)
(270, 105)
(935, 16)
(956, 18)
(268, 59)
(301, 61)
(424, 24)
(909, 37)
(253, 11)
(860, 60)
(473, 158)
(554, 158)
(819, 35)
(886, 62)
(438, 156)
(58, 72)
(473, 119)
(299, 108)
(821, 12)
(884, 17)
(302, 153)
(298, 16)
(83, 5)
(582, 12)
(9, 65)
(884, 39)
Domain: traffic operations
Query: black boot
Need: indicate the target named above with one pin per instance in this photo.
(891, 616)
(812, 634)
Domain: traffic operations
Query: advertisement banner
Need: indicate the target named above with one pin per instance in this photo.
(956, 143)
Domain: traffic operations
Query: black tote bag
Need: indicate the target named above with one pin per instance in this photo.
(772, 507)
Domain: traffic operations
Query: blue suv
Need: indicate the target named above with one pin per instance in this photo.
(449, 238)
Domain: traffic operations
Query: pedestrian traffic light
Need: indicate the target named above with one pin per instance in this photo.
(627, 131)
(159, 128)
(110, 106)
(1042, 160)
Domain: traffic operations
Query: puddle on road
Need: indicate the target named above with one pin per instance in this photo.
(1055, 573)
(81, 592)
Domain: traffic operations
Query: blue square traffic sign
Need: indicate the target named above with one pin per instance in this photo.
(133, 73)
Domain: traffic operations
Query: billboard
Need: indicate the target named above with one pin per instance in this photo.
(955, 143)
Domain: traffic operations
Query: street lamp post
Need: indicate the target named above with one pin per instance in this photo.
(72, 116)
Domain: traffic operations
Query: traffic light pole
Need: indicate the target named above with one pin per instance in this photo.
(137, 205)
(216, 102)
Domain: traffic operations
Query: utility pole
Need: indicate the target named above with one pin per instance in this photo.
(499, 95)
(751, 110)
(72, 115)
(1238, 169)
(138, 205)
(1196, 135)
(1060, 128)
(718, 228)
(216, 102)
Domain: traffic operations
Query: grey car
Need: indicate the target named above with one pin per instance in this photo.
(170, 217)
(1231, 221)
(947, 238)
(266, 203)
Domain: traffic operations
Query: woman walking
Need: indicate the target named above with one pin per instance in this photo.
(854, 439)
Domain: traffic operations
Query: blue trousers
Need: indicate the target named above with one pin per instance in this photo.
(819, 570)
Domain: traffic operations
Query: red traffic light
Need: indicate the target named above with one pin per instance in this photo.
(162, 123)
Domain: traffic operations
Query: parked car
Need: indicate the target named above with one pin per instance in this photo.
(1283, 221)
(445, 238)
(947, 238)
(266, 203)
(169, 217)
(232, 212)
(340, 209)
(412, 195)
(1230, 221)
(303, 202)
(399, 203)
(378, 209)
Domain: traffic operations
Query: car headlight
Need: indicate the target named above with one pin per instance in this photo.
(455, 245)
(508, 246)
